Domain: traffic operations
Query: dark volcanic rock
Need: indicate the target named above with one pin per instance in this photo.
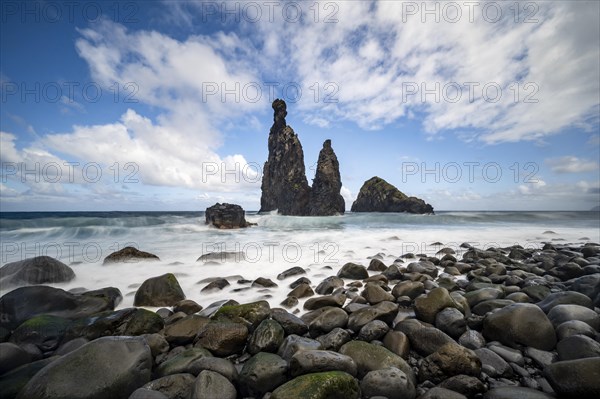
(226, 216)
(377, 195)
(284, 185)
(520, 324)
(38, 270)
(575, 378)
(109, 367)
(262, 373)
(25, 302)
(223, 338)
(159, 291)
(325, 198)
(129, 254)
(391, 383)
(329, 384)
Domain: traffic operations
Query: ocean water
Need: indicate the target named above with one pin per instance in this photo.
(321, 245)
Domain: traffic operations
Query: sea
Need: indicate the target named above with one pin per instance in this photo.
(320, 245)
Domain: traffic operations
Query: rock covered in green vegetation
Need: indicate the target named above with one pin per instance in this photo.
(159, 291)
(326, 385)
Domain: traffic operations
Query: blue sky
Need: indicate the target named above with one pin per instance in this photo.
(166, 105)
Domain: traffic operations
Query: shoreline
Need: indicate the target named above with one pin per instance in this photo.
(440, 321)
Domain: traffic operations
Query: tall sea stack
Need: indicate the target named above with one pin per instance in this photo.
(325, 197)
(284, 185)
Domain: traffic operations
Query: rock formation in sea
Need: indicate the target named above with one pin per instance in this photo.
(325, 198)
(377, 195)
(284, 185)
(226, 216)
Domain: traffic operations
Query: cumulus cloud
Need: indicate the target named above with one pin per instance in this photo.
(528, 80)
(572, 164)
(348, 197)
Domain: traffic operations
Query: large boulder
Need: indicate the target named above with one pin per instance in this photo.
(520, 324)
(305, 362)
(377, 195)
(129, 321)
(44, 331)
(369, 357)
(38, 270)
(226, 216)
(109, 367)
(391, 383)
(326, 385)
(325, 198)
(210, 384)
(252, 313)
(12, 382)
(130, 255)
(223, 338)
(575, 378)
(26, 302)
(428, 306)
(172, 386)
(159, 291)
(262, 373)
(284, 185)
(450, 360)
(12, 356)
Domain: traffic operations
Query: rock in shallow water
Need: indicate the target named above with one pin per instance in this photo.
(130, 255)
(159, 291)
(226, 216)
(24, 303)
(38, 270)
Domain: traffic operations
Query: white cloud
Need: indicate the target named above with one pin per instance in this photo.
(572, 164)
(348, 197)
(374, 56)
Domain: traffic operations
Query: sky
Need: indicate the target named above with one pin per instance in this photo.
(166, 105)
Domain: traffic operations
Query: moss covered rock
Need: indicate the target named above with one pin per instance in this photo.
(130, 321)
(369, 357)
(129, 254)
(44, 331)
(327, 385)
(159, 291)
(250, 313)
